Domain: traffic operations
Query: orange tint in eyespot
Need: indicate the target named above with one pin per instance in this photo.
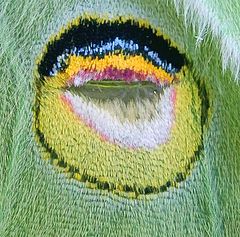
(135, 143)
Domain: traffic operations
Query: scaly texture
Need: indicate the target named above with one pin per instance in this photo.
(37, 200)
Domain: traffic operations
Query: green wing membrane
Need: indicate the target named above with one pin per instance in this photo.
(36, 200)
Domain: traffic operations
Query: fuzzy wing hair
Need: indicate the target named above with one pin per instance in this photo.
(37, 201)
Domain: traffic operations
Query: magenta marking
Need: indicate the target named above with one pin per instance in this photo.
(114, 74)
